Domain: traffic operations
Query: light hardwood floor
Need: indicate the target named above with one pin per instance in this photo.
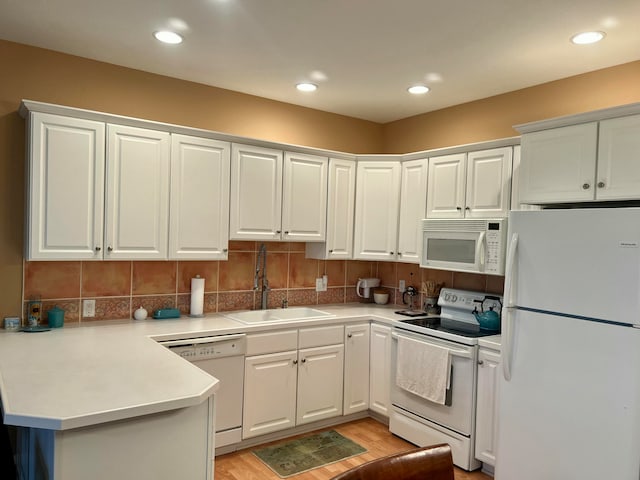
(374, 436)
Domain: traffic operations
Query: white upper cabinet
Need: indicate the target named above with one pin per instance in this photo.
(377, 204)
(304, 200)
(618, 176)
(470, 185)
(413, 204)
(199, 215)
(66, 188)
(137, 193)
(256, 193)
(558, 165)
(582, 158)
(488, 190)
(261, 209)
(340, 211)
(445, 191)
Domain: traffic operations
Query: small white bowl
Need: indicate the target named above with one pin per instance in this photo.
(381, 298)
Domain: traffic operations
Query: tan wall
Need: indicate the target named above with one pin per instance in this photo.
(493, 117)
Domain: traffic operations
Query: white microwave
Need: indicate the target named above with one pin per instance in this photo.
(465, 244)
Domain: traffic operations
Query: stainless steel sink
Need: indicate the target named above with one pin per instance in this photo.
(278, 315)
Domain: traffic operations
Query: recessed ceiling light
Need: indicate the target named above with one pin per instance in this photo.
(307, 87)
(166, 36)
(586, 38)
(418, 89)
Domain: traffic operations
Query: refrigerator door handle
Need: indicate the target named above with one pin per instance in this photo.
(506, 355)
(509, 307)
(480, 249)
(510, 272)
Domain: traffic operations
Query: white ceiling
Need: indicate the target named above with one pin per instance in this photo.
(368, 51)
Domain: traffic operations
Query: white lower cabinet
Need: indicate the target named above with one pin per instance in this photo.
(380, 373)
(319, 383)
(356, 368)
(269, 393)
(286, 387)
(487, 405)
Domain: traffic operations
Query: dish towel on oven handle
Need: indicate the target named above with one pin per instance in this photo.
(423, 369)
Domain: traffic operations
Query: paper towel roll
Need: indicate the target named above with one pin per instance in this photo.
(197, 297)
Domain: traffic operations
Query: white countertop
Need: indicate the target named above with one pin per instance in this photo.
(82, 375)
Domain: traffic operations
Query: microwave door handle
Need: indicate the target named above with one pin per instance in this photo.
(509, 309)
(480, 248)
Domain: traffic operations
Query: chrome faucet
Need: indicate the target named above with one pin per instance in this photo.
(260, 281)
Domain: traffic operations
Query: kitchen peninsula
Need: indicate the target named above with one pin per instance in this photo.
(108, 401)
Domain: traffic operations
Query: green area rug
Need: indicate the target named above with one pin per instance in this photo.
(306, 453)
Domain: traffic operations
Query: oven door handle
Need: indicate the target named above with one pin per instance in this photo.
(458, 352)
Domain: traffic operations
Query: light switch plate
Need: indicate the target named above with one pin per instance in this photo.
(320, 287)
(401, 286)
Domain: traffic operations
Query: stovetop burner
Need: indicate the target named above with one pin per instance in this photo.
(448, 325)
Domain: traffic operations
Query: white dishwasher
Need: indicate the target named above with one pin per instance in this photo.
(221, 357)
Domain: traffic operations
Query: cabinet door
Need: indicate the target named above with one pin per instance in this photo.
(66, 188)
(488, 190)
(340, 209)
(618, 176)
(269, 393)
(413, 204)
(380, 369)
(137, 198)
(558, 165)
(304, 200)
(199, 216)
(256, 193)
(356, 368)
(487, 405)
(320, 373)
(445, 190)
(377, 203)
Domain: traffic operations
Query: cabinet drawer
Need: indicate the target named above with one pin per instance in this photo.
(319, 336)
(271, 342)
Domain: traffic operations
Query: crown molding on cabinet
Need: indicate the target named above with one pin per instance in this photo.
(27, 106)
(586, 117)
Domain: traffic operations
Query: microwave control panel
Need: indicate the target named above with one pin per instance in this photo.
(495, 241)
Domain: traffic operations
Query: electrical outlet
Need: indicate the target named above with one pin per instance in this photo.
(88, 308)
(319, 285)
(401, 286)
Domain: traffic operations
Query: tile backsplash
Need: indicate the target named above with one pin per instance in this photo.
(120, 287)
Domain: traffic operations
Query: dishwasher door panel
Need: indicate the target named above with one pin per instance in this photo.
(228, 406)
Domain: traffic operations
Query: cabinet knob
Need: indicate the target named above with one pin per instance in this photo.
(586, 186)
(390, 253)
(480, 362)
(600, 184)
(286, 232)
(349, 335)
(467, 208)
(295, 362)
(459, 208)
(98, 249)
(330, 251)
(225, 250)
(399, 254)
(304, 360)
(278, 231)
(110, 248)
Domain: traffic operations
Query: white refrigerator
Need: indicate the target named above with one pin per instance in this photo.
(569, 393)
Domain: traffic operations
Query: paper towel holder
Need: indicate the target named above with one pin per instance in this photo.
(196, 309)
